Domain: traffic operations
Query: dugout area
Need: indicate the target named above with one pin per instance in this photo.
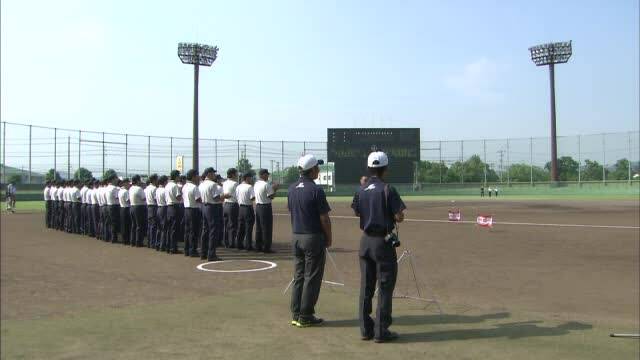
(512, 291)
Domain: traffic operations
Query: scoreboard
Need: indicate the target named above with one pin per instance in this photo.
(349, 149)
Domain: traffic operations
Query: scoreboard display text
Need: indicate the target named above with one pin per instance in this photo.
(349, 149)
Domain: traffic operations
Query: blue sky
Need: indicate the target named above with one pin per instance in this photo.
(290, 69)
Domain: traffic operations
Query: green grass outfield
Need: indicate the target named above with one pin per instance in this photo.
(39, 205)
(240, 328)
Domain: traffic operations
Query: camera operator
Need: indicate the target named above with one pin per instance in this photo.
(379, 207)
(311, 227)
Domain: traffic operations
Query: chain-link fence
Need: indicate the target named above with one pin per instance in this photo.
(29, 152)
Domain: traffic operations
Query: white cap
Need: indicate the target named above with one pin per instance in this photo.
(308, 161)
(377, 159)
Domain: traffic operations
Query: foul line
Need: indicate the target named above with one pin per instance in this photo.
(502, 223)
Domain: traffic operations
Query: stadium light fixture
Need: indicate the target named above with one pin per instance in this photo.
(551, 54)
(196, 55)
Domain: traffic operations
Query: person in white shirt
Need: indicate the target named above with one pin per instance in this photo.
(11, 198)
(231, 208)
(125, 213)
(264, 193)
(60, 213)
(76, 206)
(67, 206)
(47, 205)
(102, 204)
(113, 212)
(161, 199)
(51, 192)
(211, 193)
(246, 216)
(191, 199)
(83, 209)
(152, 210)
(138, 201)
(95, 209)
(174, 198)
(204, 231)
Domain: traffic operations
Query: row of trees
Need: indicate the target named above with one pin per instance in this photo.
(473, 170)
(81, 174)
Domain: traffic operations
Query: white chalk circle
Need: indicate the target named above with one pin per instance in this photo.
(270, 265)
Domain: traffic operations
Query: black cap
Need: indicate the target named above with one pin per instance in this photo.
(191, 173)
(263, 172)
(231, 172)
(175, 174)
(248, 174)
(208, 170)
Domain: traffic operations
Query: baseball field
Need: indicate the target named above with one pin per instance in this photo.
(550, 280)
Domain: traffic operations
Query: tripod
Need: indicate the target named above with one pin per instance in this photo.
(333, 264)
(407, 256)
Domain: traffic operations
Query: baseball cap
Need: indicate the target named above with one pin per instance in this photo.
(208, 170)
(263, 172)
(377, 159)
(308, 161)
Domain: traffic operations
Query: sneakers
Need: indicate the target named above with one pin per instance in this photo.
(312, 321)
(387, 337)
(295, 322)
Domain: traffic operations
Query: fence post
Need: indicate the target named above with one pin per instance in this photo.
(579, 162)
(440, 156)
(238, 162)
(531, 161)
(216, 152)
(68, 157)
(462, 161)
(604, 160)
(103, 153)
(508, 166)
(282, 159)
(260, 152)
(170, 153)
(126, 155)
(79, 149)
(55, 153)
(29, 176)
(148, 156)
(484, 147)
(4, 149)
(629, 162)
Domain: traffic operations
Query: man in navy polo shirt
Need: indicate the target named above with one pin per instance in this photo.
(379, 207)
(311, 227)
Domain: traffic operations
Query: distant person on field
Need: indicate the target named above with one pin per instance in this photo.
(11, 197)
(495, 189)
(481, 191)
(489, 190)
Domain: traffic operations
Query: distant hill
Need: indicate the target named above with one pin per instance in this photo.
(36, 177)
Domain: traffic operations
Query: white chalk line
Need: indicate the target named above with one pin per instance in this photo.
(502, 223)
(270, 265)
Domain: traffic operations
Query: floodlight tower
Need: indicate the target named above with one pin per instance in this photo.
(551, 54)
(196, 55)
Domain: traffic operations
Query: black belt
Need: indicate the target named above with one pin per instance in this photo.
(376, 233)
(210, 204)
(246, 205)
(269, 204)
